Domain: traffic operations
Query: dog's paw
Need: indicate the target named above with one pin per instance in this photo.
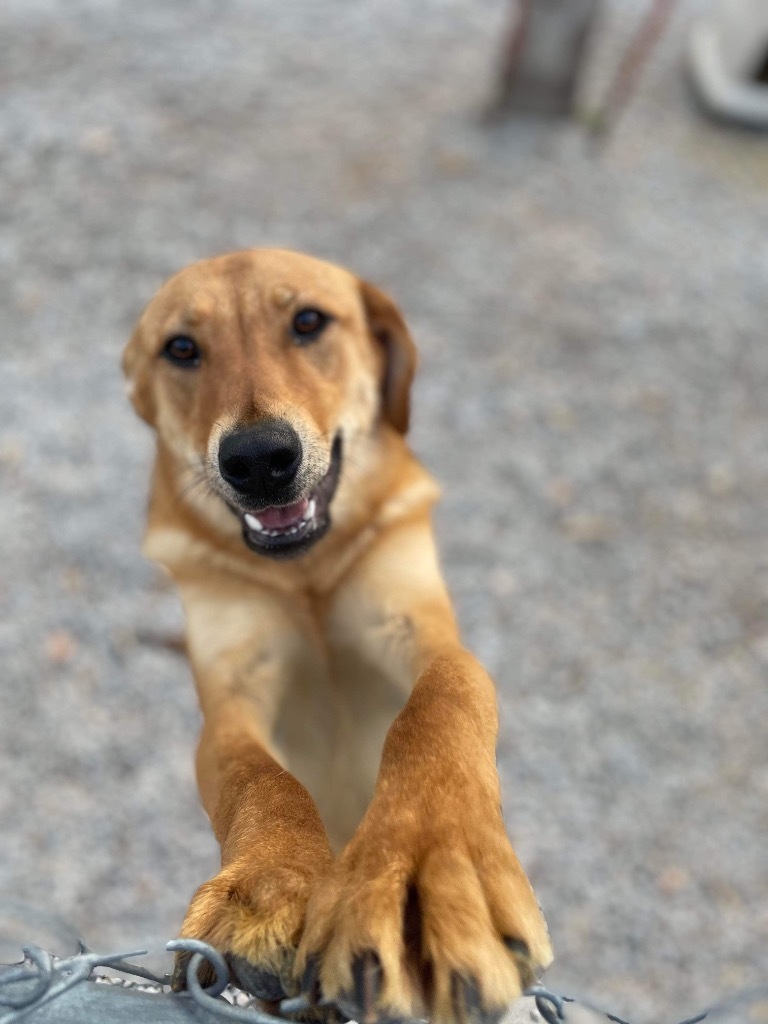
(446, 928)
(254, 915)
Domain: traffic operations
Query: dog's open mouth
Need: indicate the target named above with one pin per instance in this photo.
(285, 530)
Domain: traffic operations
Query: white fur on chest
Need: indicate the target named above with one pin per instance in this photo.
(329, 731)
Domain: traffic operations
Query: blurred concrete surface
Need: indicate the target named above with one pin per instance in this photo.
(592, 395)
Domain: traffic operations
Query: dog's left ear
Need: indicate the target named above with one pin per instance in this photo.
(388, 328)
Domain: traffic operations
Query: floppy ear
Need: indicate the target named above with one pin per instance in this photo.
(137, 378)
(387, 326)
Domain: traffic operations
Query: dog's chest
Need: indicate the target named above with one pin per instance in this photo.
(330, 729)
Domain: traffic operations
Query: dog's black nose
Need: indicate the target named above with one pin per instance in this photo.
(260, 462)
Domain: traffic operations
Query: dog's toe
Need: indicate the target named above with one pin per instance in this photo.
(255, 920)
(456, 936)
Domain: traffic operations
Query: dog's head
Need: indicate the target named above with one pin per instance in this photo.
(264, 373)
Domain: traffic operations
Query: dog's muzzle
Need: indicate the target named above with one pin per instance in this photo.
(261, 465)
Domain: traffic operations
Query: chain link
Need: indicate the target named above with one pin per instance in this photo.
(42, 978)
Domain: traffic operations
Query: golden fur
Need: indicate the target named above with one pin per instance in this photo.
(347, 758)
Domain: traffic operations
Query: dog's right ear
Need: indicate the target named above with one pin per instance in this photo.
(138, 379)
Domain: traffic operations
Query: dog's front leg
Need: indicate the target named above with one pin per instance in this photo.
(273, 844)
(427, 912)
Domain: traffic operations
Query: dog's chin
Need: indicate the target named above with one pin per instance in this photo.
(287, 531)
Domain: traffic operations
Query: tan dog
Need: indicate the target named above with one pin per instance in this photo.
(347, 759)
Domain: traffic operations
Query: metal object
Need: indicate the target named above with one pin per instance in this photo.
(543, 56)
(43, 989)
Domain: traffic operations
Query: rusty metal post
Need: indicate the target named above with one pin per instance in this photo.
(542, 57)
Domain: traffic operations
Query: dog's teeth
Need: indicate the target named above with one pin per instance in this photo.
(309, 511)
(253, 522)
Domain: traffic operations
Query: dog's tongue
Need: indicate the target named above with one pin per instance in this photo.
(277, 517)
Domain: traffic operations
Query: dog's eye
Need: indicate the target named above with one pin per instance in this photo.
(182, 350)
(308, 324)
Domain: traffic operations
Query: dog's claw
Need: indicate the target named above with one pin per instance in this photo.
(310, 980)
(206, 975)
(523, 960)
(468, 1005)
(366, 982)
(179, 975)
(265, 985)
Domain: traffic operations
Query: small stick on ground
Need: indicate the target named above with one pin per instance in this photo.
(628, 72)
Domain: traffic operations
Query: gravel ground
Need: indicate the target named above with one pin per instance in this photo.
(592, 395)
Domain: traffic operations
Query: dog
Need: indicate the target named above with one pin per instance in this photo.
(347, 756)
